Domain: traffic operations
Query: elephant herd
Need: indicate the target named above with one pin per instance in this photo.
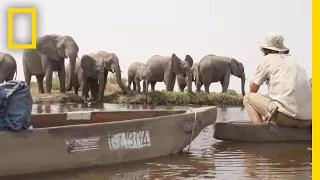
(90, 72)
(169, 69)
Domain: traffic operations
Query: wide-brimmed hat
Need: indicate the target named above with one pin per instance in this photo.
(274, 42)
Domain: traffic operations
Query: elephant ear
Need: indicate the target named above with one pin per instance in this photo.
(47, 45)
(189, 60)
(88, 65)
(234, 67)
(175, 63)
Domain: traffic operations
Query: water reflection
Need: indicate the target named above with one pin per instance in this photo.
(264, 160)
(68, 107)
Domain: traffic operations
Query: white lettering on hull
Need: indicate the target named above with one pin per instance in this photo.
(129, 140)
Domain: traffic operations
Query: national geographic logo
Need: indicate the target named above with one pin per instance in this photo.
(12, 30)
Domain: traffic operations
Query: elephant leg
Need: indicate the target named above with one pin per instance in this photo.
(144, 86)
(84, 88)
(173, 82)
(134, 84)
(76, 89)
(206, 87)
(105, 80)
(181, 87)
(62, 76)
(27, 75)
(95, 90)
(170, 81)
(225, 83)
(11, 76)
(153, 84)
(136, 81)
(3, 77)
(129, 82)
(92, 90)
(48, 70)
(40, 83)
(48, 80)
(198, 86)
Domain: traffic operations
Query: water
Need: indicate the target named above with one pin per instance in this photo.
(209, 158)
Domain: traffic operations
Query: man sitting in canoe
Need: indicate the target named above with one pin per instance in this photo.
(289, 102)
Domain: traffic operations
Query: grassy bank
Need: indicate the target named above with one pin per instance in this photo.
(114, 94)
(177, 98)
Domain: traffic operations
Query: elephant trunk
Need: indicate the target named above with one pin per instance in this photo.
(243, 79)
(119, 80)
(146, 90)
(189, 84)
(71, 74)
(102, 85)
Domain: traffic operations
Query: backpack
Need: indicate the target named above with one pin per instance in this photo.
(15, 106)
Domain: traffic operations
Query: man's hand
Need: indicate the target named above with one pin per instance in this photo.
(254, 87)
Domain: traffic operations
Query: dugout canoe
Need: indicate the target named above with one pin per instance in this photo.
(245, 131)
(86, 139)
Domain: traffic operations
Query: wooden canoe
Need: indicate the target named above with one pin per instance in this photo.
(246, 131)
(86, 139)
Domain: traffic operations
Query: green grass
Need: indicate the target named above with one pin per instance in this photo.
(177, 98)
(114, 94)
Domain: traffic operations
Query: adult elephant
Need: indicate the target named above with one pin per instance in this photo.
(8, 67)
(218, 69)
(183, 81)
(165, 68)
(96, 66)
(92, 83)
(49, 56)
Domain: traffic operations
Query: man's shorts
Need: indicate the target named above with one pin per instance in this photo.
(263, 105)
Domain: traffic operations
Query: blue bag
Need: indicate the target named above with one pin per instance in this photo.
(15, 105)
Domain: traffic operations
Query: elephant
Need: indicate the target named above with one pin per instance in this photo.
(144, 74)
(8, 67)
(134, 71)
(218, 69)
(78, 73)
(96, 66)
(49, 55)
(165, 68)
(182, 81)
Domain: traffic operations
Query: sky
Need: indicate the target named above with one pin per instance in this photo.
(136, 30)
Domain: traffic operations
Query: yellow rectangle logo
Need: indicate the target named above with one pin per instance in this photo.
(33, 12)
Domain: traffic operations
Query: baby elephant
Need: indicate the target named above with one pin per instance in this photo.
(145, 76)
(137, 72)
(134, 76)
(93, 84)
(8, 67)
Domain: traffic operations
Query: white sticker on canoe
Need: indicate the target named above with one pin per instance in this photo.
(79, 115)
(129, 140)
(83, 144)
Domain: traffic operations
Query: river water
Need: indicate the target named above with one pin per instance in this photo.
(209, 158)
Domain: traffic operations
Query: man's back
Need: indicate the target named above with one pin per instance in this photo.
(288, 84)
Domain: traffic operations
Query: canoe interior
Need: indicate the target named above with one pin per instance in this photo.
(245, 131)
(61, 119)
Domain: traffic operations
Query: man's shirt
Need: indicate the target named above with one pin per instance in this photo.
(288, 84)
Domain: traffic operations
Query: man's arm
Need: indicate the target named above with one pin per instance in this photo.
(259, 77)
(254, 87)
